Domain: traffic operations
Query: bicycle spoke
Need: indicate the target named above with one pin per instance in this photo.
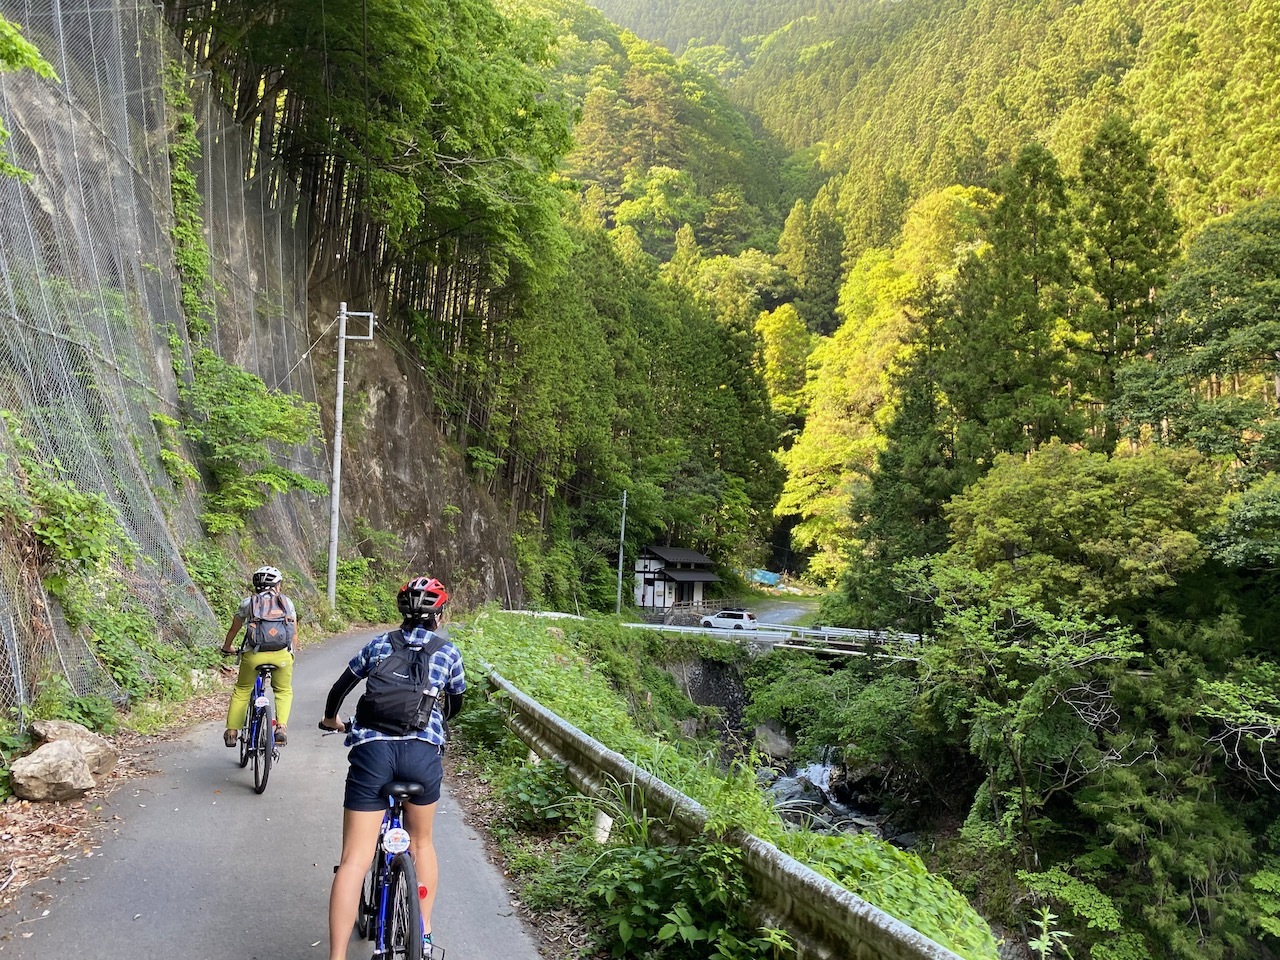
(405, 941)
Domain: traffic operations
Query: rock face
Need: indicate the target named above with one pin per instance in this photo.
(402, 474)
(98, 752)
(53, 771)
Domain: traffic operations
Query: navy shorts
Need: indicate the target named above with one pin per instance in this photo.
(378, 762)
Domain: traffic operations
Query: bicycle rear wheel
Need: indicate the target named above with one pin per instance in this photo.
(404, 925)
(263, 748)
(246, 738)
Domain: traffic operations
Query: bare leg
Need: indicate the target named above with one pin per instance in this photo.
(419, 821)
(359, 841)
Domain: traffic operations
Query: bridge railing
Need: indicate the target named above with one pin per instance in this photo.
(825, 920)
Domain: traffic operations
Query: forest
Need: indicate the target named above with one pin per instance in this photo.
(1034, 422)
(966, 311)
(1023, 350)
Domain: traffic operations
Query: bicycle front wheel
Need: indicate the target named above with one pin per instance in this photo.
(263, 748)
(404, 939)
(368, 909)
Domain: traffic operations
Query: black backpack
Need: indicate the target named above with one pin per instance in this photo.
(397, 698)
(269, 627)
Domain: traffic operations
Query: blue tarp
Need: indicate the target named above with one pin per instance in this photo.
(767, 578)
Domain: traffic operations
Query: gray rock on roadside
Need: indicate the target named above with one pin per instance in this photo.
(56, 770)
(101, 756)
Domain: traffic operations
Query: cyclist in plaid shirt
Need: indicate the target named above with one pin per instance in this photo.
(379, 756)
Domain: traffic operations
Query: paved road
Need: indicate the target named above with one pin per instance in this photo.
(199, 867)
(782, 611)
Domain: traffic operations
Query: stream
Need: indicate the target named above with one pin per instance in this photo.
(816, 797)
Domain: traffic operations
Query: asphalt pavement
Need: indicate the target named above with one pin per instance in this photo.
(194, 864)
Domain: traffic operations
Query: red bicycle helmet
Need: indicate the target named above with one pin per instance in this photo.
(421, 597)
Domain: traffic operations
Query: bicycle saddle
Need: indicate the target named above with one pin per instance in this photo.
(402, 789)
(267, 667)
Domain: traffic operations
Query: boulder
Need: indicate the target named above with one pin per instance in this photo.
(98, 751)
(53, 771)
(773, 741)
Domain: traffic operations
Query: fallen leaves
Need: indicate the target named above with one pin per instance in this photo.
(39, 838)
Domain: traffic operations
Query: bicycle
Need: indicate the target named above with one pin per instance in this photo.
(258, 735)
(390, 911)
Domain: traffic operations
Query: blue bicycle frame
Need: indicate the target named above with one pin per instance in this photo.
(258, 735)
(390, 904)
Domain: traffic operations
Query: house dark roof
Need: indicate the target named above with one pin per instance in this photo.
(688, 576)
(678, 555)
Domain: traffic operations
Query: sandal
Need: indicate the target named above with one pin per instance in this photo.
(282, 735)
(229, 737)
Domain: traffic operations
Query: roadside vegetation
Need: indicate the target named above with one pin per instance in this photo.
(639, 893)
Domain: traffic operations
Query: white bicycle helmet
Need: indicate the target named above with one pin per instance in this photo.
(265, 577)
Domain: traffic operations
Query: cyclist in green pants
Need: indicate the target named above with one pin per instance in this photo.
(270, 626)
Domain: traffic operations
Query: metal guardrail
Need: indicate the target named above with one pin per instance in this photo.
(825, 920)
(837, 641)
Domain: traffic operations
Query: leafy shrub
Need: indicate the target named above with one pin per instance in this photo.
(361, 596)
(56, 699)
(480, 725)
(65, 531)
(534, 794)
(216, 573)
(233, 417)
(14, 742)
(898, 883)
(677, 903)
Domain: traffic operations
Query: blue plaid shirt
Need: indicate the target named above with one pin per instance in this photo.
(445, 672)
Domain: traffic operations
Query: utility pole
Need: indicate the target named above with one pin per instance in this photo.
(335, 486)
(622, 535)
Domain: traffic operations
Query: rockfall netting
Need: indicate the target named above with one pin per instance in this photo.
(92, 317)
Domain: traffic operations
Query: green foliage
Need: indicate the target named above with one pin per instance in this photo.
(56, 699)
(362, 595)
(1220, 324)
(14, 742)
(1074, 529)
(66, 532)
(678, 902)
(1048, 941)
(899, 884)
(534, 795)
(179, 469)
(18, 53)
(127, 641)
(215, 572)
(483, 462)
(191, 250)
(234, 417)
(548, 663)
(1084, 899)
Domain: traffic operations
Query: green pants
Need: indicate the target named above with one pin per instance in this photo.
(281, 683)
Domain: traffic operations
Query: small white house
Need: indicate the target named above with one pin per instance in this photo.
(666, 576)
